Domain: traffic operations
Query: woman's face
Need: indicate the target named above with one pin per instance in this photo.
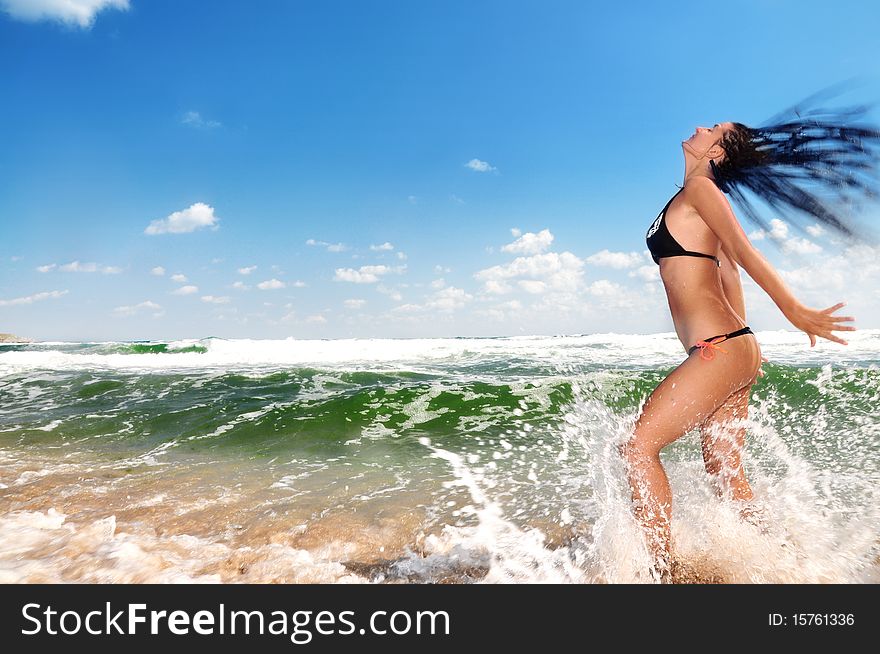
(707, 140)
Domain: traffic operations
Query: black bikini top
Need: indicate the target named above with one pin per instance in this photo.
(660, 241)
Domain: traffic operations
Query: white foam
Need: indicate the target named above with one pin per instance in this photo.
(602, 349)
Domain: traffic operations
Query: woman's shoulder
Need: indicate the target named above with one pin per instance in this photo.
(700, 188)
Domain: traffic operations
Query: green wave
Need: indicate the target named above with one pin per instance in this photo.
(322, 413)
(159, 348)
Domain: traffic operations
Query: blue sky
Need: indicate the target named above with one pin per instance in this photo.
(341, 169)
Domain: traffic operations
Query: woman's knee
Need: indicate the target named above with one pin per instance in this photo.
(638, 451)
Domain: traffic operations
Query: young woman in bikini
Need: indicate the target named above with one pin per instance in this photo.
(700, 247)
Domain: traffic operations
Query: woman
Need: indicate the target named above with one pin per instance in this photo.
(699, 245)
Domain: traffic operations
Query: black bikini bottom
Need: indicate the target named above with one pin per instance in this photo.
(710, 342)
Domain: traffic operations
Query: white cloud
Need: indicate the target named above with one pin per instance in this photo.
(780, 234)
(445, 300)
(178, 278)
(604, 288)
(515, 231)
(137, 308)
(448, 299)
(158, 271)
(479, 166)
(331, 247)
(247, 270)
(214, 299)
(73, 12)
(401, 256)
(648, 272)
(439, 270)
(241, 286)
(354, 303)
(30, 299)
(317, 318)
(385, 246)
(194, 119)
(530, 243)
(532, 285)
(617, 260)
(271, 284)
(438, 283)
(363, 275)
(298, 284)
(77, 267)
(186, 290)
(197, 216)
(393, 293)
(559, 272)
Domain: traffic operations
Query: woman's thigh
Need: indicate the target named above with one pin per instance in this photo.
(692, 393)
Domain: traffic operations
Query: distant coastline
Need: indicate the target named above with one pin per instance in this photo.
(12, 338)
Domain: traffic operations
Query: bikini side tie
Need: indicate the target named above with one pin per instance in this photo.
(706, 348)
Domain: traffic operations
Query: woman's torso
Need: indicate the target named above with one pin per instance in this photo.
(695, 286)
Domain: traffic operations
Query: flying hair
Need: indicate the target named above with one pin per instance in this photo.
(806, 160)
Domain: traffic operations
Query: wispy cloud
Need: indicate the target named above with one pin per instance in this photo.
(185, 290)
(158, 271)
(179, 278)
(480, 166)
(331, 247)
(72, 12)
(247, 270)
(30, 299)
(241, 286)
(134, 309)
(197, 216)
(393, 293)
(194, 119)
(213, 299)
(354, 303)
(77, 267)
(616, 260)
(445, 300)
(384, 246)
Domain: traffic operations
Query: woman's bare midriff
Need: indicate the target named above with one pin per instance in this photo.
(697, 301)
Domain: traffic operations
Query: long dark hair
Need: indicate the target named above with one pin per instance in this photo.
(798, 154)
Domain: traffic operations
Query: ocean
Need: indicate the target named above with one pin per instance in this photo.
(448, 460)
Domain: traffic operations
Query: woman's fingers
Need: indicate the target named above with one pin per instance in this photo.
(834, 308)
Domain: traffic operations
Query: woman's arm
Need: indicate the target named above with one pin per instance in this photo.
(715, 210)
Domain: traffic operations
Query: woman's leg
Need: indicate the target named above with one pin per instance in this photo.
(722, 440)
(686, 398)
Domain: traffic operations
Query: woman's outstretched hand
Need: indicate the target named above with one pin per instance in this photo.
(820, 323)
